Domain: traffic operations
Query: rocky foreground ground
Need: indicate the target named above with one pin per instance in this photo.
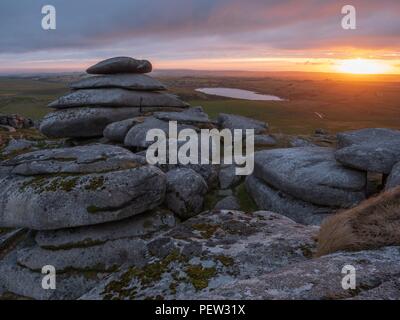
(80, 196)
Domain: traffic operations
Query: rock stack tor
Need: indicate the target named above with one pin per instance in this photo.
(95, 207)
(115, 227)
(90, 208)
(117, 89)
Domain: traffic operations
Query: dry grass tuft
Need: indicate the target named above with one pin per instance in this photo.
(372, 224)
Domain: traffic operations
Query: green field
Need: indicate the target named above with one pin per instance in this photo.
(344, 103)
(28, 97)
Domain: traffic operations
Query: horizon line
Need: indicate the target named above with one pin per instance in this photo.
(39, 72)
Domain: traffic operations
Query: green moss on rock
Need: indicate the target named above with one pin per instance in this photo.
(147, 275)
(62, 184)
(199, 276)
(225, 260)
(52, 183)
(95, 183)
(93, 209)
(206, 230)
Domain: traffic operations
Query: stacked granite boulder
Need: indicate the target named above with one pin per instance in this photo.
(375, 150)
(304, 183)
(307, 183)
(118, 90)
(98, 183)
(122, 104)
(91, 207)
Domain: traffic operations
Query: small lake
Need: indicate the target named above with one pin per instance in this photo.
(238, 94)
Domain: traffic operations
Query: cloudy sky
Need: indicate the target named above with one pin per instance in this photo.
(198, 34)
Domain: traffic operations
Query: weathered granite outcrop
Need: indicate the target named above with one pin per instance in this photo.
(78, 186)
(81, 256)
(377, 275)
(311, 174)
(268, 198)
(208, 251)
(372, 149)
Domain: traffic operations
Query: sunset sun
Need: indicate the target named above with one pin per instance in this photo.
(363, 66)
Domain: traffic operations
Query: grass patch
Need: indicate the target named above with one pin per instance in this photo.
(210, 200)
(245, 201)
(345, 102)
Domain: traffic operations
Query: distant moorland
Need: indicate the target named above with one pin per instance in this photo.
(312, 100)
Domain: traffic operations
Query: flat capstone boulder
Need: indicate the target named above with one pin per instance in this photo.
(116, 97)
(120, 65)
(124, 81)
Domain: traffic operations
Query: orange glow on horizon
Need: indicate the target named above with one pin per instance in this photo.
(324, 65)
(250, 63)
(363, 66)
